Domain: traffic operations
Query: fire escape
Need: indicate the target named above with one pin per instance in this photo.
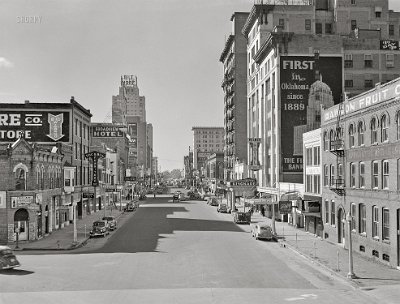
(337, 148)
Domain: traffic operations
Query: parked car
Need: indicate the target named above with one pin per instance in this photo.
(100, 228)
(262, 231)
(176, 197)
(130, 206)
(242, 217)
(213, 201)
(150, 191)
(159, 191)
(7, 258)
(222, 208)
(112, 222)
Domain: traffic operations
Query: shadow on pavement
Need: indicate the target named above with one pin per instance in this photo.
(19, 272)
(142, 232)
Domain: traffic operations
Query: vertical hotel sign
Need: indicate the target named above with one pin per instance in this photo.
(297, 76)
(94, 156)
(44, 126)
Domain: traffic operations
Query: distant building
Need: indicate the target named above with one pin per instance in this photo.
(206, 141)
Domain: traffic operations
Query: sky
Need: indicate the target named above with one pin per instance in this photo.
(52, 50)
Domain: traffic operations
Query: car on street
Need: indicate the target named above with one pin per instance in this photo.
(242, 217)
(112, 222)
(159, 191)
(130, 206)
(99, 228)
(213, 201)
(262, 231)
(223, 208)
(7, 258)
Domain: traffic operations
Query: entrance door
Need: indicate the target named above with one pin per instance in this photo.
(341, 226)
(46, 220)
(39, 222)
(21, 219)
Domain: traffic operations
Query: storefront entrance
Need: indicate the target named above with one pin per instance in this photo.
(21, 220)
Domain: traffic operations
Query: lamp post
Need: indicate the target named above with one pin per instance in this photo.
(273, 207)
(351, 274)
(74, 215)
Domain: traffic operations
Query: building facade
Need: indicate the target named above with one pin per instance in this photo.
(206, 140)
(361, 172)
(233, 58)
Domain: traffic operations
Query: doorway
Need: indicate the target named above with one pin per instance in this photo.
(21, 220)
(46, 219)
(341, 226)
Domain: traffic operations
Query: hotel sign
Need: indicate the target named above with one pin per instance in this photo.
(364, 100)
(43, 126)
(107, 131)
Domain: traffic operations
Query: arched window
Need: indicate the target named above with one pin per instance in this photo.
(360, 130)
(20, 179)
(384, 128)
(351, 136)
(374, 131)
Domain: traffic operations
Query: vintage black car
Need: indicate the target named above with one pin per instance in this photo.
(7, 258)
(242, 217)
(100, 228)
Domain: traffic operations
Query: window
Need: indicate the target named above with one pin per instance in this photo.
(375, 170)
(353, 1)
(20, 179)
(340, 173)
(378, 14)
(391, 29)
(326, 212)
(368, 83)
(375, 222)
(318, 28)
(282, 22)
(317, 183)
(362, 219)
(352, 175)
(317, 161)
(390, 60)
(348, 83)
(308, 24)
(353, 24)
(308, 183)
(353, 216)
(360, 130)
(384, 128)
(374, 131)
(361, 175)
(351, 136)
(385, 224)
(331, 139)
(333, 213)
(326, 141)
(309, 156)
(332, 171)
(385, 174)
(326, 175)
(368, 60)
(348, 60)
(328, 28)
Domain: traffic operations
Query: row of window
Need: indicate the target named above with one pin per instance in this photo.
(380, 225)
(368, 62)
(81, 129)
(379, 133)
(313, 157)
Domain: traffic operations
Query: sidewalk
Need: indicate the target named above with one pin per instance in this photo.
(333, 257)
(62, 239)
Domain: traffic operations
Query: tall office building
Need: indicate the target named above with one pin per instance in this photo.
(206, 141)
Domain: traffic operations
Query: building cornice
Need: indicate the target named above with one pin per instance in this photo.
(227, 47)
(254, 13)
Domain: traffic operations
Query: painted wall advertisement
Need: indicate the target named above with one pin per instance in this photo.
(305, 81)
(39, 126)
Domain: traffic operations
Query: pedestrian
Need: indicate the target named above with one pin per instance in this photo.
(154, 194)
(262, 211)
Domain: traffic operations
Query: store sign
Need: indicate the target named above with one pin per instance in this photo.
(107, 131)
(21, 201)
(94, 156)
(130, 178)
(364, 100)
(251, 182)
(300, 87)
(43, 126)
(391, 45)
(285, 207)
(88, 195)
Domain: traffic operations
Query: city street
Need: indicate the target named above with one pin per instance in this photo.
(174, 253)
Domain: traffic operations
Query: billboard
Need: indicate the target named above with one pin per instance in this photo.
(45, 126)
(306, 83)
(107, 131)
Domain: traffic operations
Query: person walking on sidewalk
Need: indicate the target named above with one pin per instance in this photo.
(262, 211)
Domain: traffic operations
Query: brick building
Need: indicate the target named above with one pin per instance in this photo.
(361, 172)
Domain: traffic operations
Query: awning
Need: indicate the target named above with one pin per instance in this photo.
(315, 214)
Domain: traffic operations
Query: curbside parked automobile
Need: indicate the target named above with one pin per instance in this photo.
(7, 258)
(112, 222)
(100, 228)
(262, 231)
(223, 208)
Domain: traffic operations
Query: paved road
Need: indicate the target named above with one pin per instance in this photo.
(174, 253)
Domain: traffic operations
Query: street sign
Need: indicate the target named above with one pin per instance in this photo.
(244, 182)
(285, 207)
(94, 155)
(88, 195)
(110, 190)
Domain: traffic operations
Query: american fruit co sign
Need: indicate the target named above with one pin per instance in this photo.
(39, 126)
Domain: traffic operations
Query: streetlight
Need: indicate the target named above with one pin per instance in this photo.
(273, 207)
(351, 274)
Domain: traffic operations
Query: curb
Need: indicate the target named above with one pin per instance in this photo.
(331, 271)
